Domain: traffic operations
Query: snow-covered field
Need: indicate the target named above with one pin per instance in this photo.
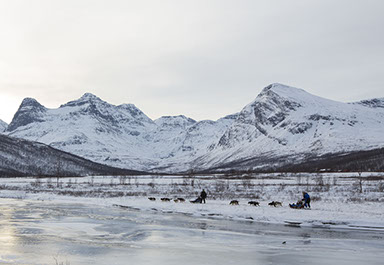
(339, 200)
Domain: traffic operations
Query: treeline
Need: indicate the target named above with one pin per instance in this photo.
(372, 160)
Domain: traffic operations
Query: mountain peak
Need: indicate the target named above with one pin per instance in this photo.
(30, 102)
(174, 121)
(29, 111)
(282, 93)
(86, 98)
(284, 90)
(89, 96)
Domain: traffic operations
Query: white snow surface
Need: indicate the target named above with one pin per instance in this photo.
(3, 126)
(281, 121)
(335, 203)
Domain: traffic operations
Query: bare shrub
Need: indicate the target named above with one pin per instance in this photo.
(371, 199)
(198, 184)
(380, 187)
(219, 186)
(298, 179)
(307, 181)
(281, 187)
(355, 199)
(319, 180)
(36, 183)
(334, 181)
(246, 182)
(359, 183)
(185, 181)
(137, 183)
(49, 183)
(122, 180)
(69, 183)
(92, 181)
(253, 196)
(320, 184)
(357, 186)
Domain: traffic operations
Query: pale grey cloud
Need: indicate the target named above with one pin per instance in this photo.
(204, 59)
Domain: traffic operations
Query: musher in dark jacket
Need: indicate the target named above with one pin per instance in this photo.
(203, 195)
(306, 199)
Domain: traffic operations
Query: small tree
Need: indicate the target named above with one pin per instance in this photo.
(58, 171)
(360, 182)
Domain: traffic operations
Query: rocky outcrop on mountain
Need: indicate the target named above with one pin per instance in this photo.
(282, 125)
(372, 103)
(30, 111)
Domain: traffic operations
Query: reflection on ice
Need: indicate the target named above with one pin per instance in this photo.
(8, 239)
(48, 233)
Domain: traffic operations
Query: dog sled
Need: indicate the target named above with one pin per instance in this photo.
(198, 200)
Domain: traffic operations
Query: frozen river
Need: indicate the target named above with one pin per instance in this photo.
(33, 232)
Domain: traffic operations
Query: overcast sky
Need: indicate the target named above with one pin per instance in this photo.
(204, 59)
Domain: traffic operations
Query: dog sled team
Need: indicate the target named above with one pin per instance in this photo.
(300, 204)
(305, 202)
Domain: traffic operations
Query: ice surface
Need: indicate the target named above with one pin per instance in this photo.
(35, 232)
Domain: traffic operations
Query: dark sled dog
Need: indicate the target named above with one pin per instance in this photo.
(254, 203)
(275, 203)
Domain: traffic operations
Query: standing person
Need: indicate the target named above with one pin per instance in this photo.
(203, 195)
(306, 200)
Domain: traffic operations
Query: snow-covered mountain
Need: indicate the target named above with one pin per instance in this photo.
(19, 157)
(3, 126)
(121, 135)
(286, 124)
(283, 124)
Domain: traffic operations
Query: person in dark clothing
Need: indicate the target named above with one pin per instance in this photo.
(306, 199)
(203, 195)
(297, 205)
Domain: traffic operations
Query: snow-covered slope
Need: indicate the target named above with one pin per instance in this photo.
(19, 157)
(3, 126)
(281, 123)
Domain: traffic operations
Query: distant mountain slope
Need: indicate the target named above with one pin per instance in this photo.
(287, 125)
(121, 136)
(24, 158)
(372, 160)
(3, 126)
(282, 125)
